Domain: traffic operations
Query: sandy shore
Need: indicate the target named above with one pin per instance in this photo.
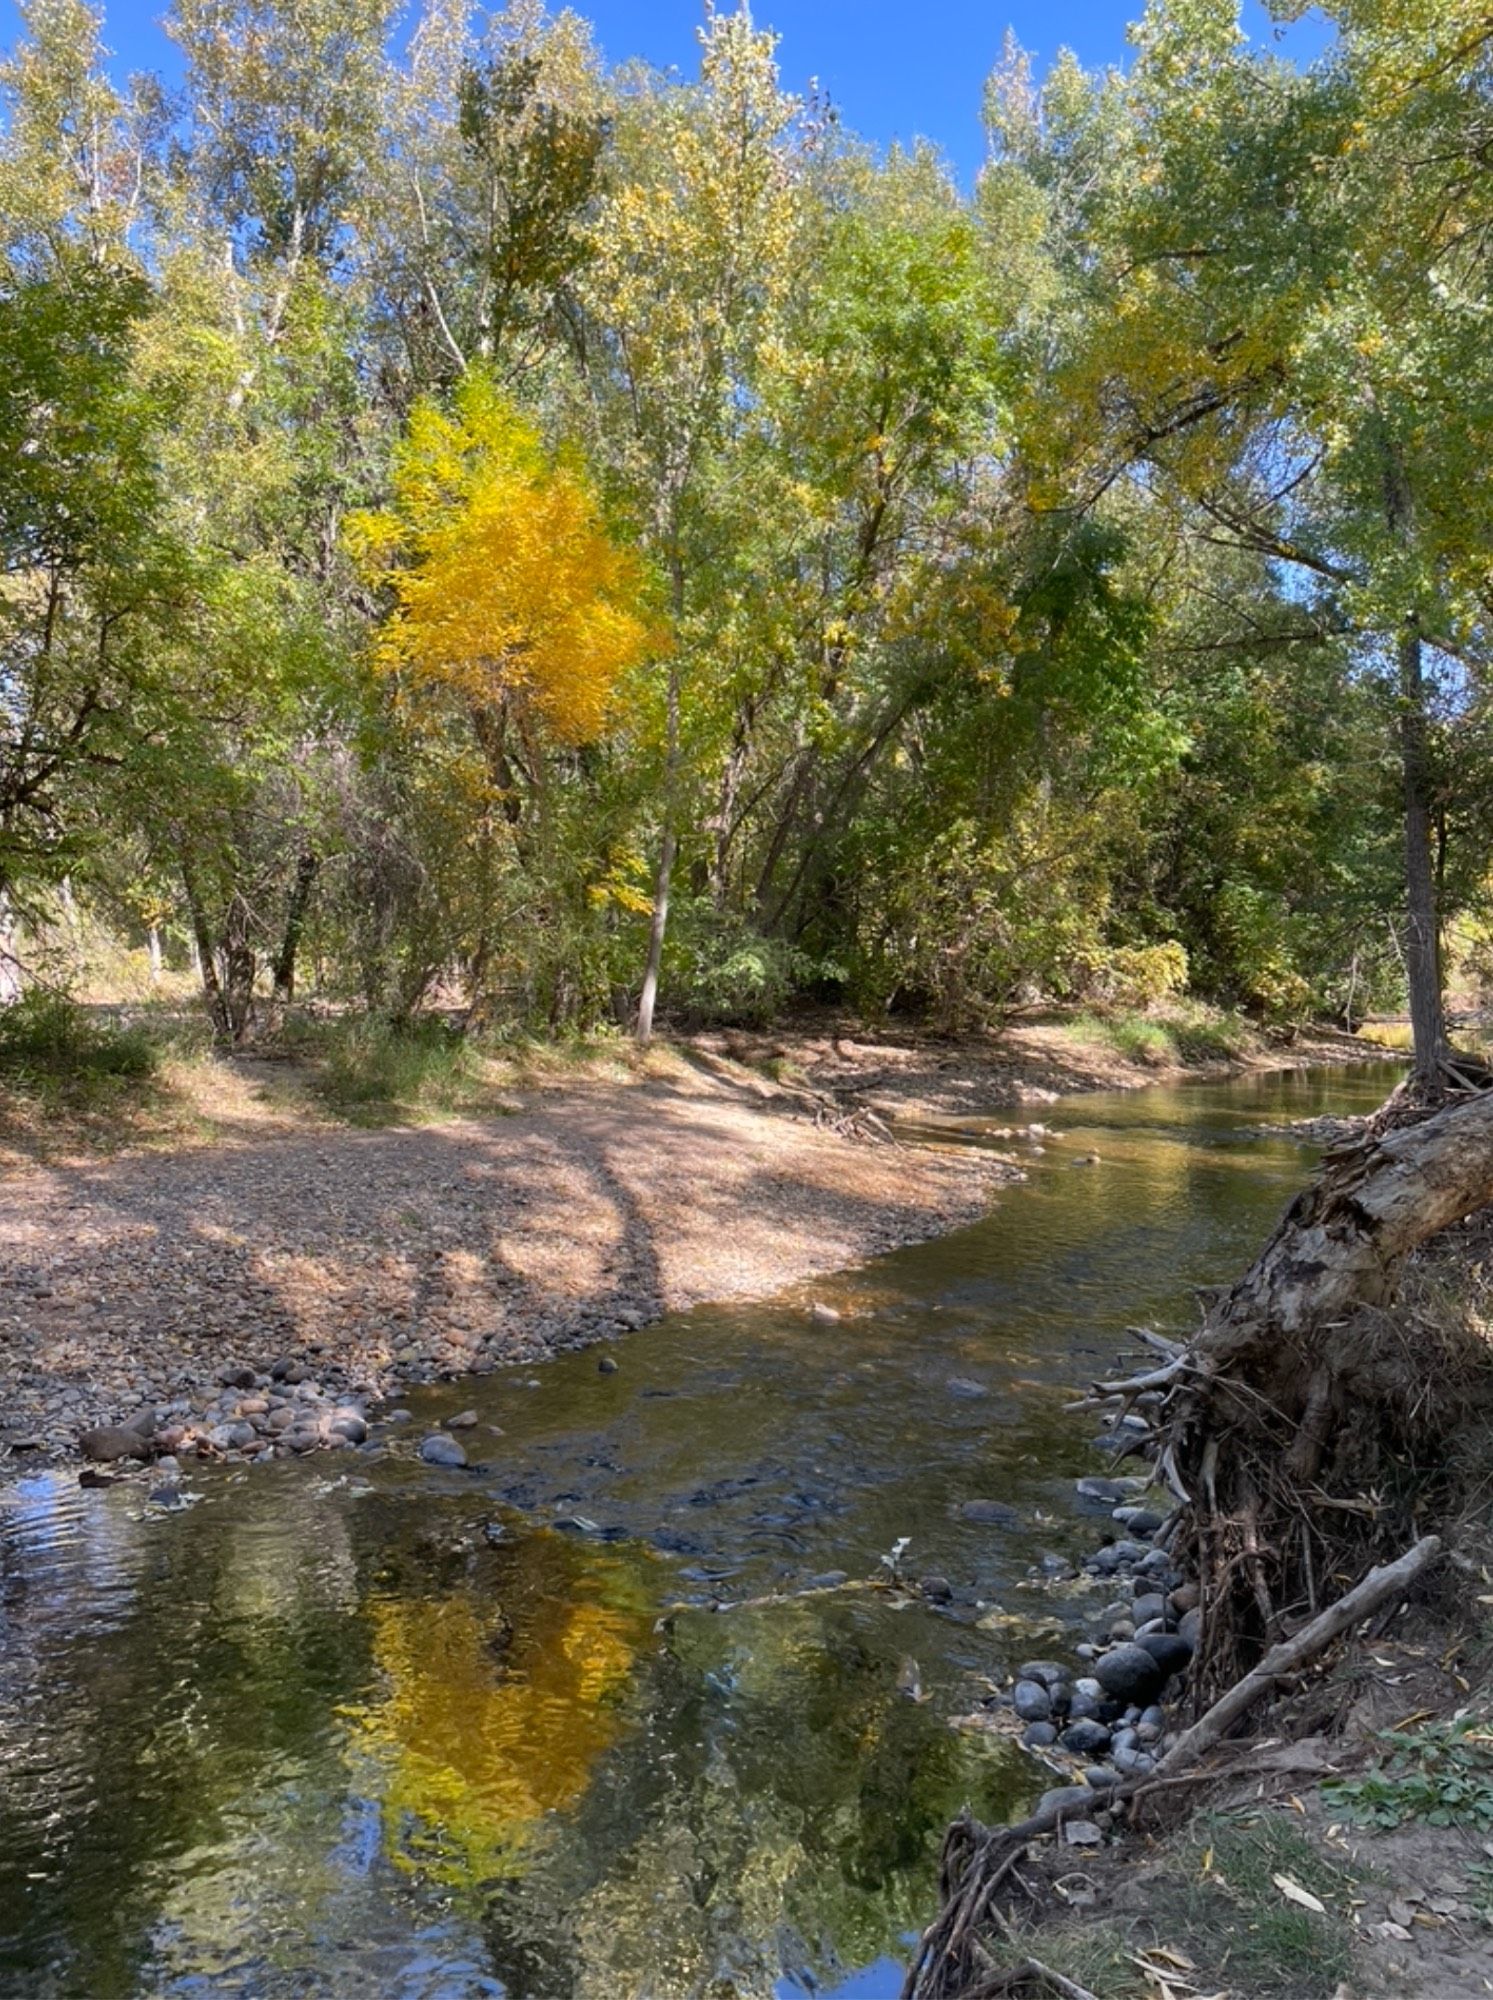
(373, 1258)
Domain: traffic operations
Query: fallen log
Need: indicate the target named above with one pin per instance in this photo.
(940, 1970)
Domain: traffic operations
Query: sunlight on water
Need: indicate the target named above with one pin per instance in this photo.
(381, 1729)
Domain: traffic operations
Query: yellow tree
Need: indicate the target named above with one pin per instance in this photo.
(511, 595)
(514, 612)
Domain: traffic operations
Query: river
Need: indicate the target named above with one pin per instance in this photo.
(355, 1726)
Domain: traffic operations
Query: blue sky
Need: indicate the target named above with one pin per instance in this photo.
(896, 71)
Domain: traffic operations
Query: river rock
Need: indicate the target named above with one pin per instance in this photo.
(1139, 1520)
(1151, 1605)
(350, 1424)
(1171, 1652)
(1190, 1627)
(438, 1450)
(1039, 1735)
(1031, 1701)
(965, 1389)
(464, 1420)
(1130, 1673)
(607, 1365)
(1046, 1673)
(937, 1589)
(108, 1442)
(1082, 1833)
(825, 1315)
(1085, 1738)
(990, 1514)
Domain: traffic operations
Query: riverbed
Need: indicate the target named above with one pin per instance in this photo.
(612, 1713)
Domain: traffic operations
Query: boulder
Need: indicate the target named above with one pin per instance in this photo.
(438, 1450)
(1171, 1652)
(1130, 1673)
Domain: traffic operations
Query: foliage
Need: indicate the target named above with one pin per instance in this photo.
(478, 523)
(1440, 1773)
(52, 1048)
(507, 585)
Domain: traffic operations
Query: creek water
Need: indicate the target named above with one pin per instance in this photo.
(356, 1726)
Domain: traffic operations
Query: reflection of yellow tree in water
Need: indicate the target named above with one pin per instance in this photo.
(494, 1716)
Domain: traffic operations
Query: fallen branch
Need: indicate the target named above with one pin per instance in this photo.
(995, 1849)
(1380, 1586)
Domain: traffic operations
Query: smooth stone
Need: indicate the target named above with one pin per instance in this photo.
(1100, 1776)
(1186, 1597)
(400, 1417)
(438, 1450)
(1125, 1739)
(1047, 1673)
(1085, 1738)
(607, 1365)
(1082, 1833)
(1039, 1735)
(1123, 1628)
(1147, 1733)
(1110, 1492)
(828, 1579)
(1190, 1628)
(1031, 1701)
(1130, 1673)
(1171, 1652)
(825, 1315)
(464, 1420)
(963, 1387)
(1139, 1520)
(108, 1442)
(990, 1513)
(1151, 1605)
(937, 1589)
(1126, 1762)
(348, 1424)
(1154, 1717)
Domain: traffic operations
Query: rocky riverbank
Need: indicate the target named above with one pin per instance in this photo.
(237, 1299)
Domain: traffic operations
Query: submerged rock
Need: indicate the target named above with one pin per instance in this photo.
(439, 1450)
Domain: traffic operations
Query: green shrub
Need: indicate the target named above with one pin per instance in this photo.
(366, 1068)
(53, 1048)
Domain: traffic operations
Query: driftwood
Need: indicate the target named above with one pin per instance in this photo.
(943, 1967)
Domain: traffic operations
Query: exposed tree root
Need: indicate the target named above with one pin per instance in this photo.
(1305, 1432)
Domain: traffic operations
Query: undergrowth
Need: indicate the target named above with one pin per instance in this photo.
(1440, 1774)
(1213, 1905)
(1185, 1034)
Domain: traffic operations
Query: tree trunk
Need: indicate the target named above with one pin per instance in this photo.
(295, 923)
(1422, 922)
(153, 950)
(663, 881)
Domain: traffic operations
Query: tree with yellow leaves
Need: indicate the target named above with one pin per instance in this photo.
(511, 595)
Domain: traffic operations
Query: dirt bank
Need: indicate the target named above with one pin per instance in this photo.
(379, 1257)
(917, 1076)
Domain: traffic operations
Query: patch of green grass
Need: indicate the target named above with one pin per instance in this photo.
(64, 1056)
(372, 1073)
(1440, 1774)
(1184, 1033)
(1215, 1900)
